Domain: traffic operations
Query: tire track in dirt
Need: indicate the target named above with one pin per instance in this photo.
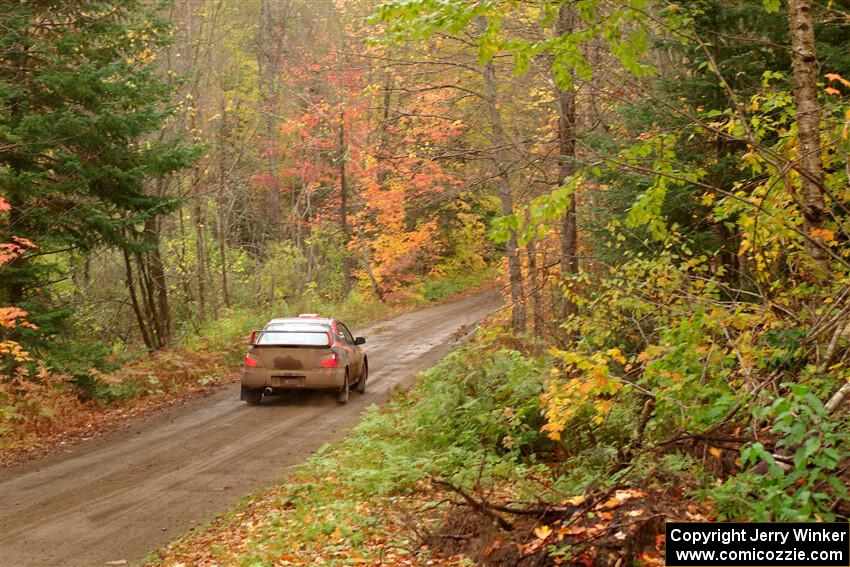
(123, 494)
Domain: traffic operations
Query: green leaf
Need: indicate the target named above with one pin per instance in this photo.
(771, 5)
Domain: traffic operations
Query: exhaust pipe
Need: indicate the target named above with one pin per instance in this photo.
(268, 391)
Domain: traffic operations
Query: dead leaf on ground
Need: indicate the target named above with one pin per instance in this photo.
(543, 532)
(575, 500)
(497, 544)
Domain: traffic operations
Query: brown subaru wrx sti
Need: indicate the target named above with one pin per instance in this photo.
(307, 352)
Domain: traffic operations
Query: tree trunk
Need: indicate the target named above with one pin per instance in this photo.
(222, 252)
(182, 253)
(343, 208)
(220, 204)
(134, 301)
(367, 259)
(201, 252)
(161, 305)
(500, 143)
(269, 57)
(150, 298)
(805, 66)
(534, 284)
(568, 260)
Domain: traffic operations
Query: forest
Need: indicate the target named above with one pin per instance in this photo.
(660, 191)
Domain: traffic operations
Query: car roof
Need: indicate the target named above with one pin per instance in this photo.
(301, 320)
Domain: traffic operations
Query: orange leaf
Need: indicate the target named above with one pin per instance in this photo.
(824, 234)
(650, 559)
(572, 531)
(531, 547)
(839, 78)
(619, 498)
(497, 544)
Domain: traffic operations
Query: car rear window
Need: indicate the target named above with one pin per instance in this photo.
(315, 337)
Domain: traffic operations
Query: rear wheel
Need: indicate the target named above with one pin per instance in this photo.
(253, 397)
(361, 384)
(343, 394)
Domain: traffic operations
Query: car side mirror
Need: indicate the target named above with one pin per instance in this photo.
(360, 340)
(253, 338)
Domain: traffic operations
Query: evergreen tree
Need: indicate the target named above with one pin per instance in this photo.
(79, 100)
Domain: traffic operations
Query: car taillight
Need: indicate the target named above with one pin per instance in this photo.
(251, 362)
(330, 360)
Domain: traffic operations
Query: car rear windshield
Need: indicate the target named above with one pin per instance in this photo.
(316, 338)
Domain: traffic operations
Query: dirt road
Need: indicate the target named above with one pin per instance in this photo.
(120, 496)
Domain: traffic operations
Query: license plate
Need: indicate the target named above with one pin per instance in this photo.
(278, 381)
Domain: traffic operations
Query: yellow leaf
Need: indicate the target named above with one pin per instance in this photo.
(846, 129)
(576, 500)
(616, 355)
(715, 452)
(555, 435)
(543, 532)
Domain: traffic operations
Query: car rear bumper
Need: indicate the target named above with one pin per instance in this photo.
(321, 379)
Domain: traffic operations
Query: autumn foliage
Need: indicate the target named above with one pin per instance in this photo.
(11, 317)
(666, 207)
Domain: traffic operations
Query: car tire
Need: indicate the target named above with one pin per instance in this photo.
(346, 388)
(253, 397)
(361, 384)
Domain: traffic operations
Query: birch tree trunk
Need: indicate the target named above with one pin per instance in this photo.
(500, 143)
(805, 66)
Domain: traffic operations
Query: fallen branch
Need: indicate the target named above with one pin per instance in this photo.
(833, 345)
(461, 537)
(839, 396)
(484, 508)
(709, 439)
(489, 508)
